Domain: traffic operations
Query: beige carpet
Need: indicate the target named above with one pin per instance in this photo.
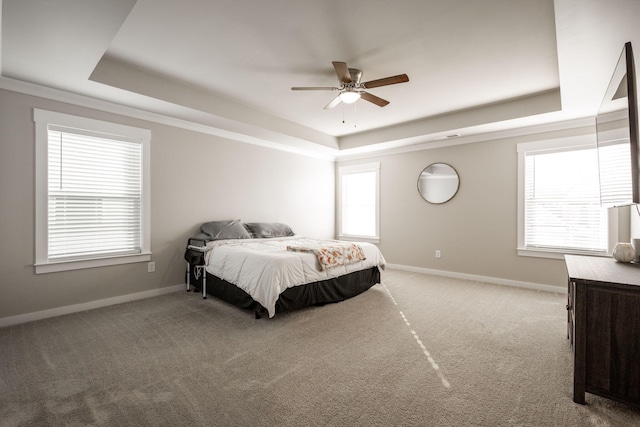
(417, 350)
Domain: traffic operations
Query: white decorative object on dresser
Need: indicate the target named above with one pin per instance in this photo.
(624, 252)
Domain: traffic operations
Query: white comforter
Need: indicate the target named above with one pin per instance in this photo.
(264, 268)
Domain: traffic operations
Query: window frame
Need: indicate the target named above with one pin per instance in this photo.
(44, 118)
(353, 169)
(568, 143)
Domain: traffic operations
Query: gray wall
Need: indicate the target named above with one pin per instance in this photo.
(194, 178)
(476, 231)
(197, 177)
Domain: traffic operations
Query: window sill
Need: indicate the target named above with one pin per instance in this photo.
(53, 267)
(551, 254)
(360, 239)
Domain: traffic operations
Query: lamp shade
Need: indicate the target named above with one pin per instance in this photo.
(349, 97)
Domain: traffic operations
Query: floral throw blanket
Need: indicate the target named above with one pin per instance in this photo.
(332, 253)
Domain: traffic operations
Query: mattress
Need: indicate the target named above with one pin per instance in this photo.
(264, 268)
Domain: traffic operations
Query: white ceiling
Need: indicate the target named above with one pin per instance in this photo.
(474, 66)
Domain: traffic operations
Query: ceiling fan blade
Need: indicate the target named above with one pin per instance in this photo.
(342, 71)
(333, 103)
(315, 88)
(373, 99)
(400, 78)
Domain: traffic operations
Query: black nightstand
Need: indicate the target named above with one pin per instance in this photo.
(194, 255)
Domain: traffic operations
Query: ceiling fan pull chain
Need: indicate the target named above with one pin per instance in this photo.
(355, 114)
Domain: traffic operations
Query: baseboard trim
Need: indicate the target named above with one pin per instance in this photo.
(59, 311)
(75, 308)
(485, 279)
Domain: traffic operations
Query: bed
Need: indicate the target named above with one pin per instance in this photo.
(267, 268)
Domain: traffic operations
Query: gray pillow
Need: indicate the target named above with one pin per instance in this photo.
(268, 229)
(219, 230)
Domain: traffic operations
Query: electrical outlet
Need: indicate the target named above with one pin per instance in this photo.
(438, 253)
(151, 267)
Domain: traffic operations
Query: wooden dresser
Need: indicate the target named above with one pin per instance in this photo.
(604, 327)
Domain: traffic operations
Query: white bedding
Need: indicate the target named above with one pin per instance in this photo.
(264, 268)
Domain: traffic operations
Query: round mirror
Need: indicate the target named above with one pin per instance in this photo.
(438, 183)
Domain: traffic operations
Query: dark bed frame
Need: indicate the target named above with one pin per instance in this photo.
(317, 293)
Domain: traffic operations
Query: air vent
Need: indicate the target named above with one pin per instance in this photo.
(443, 137)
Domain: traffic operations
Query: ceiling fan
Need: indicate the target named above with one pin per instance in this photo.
(351, 89)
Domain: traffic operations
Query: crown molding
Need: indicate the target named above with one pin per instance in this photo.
(307, 149)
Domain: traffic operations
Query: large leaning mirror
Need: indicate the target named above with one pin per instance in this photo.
(438, 183)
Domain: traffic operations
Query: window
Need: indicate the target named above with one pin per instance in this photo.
(92, 193)
(358, 202)
(615, 171)
(559, 199)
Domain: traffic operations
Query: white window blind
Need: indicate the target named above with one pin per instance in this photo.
(615, 171)
(562, 209)
(92, 193)
(359, 201)
(95, 195)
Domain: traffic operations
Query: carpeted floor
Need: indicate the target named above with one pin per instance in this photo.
(417, 350)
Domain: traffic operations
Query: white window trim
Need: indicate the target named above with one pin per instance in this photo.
(364, 167)
(586, 141)
(42, 119)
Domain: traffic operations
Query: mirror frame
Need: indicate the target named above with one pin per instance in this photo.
(451, 196)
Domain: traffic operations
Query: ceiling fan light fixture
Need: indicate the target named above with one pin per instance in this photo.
(351, 89)
(349, 97)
